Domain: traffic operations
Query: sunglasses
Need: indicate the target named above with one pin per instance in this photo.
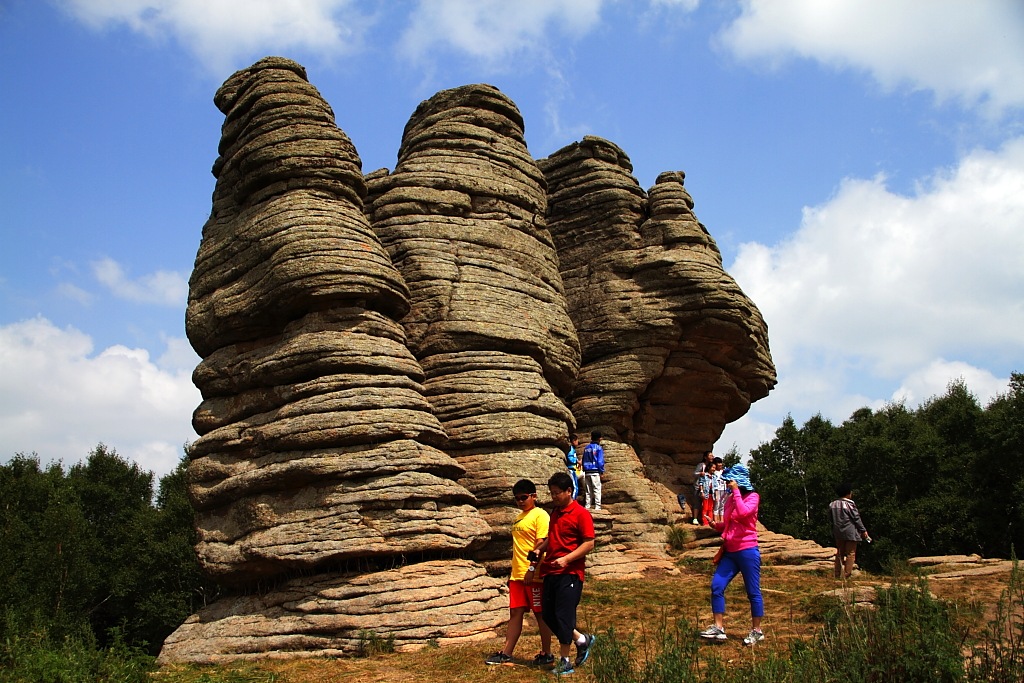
(524, 497)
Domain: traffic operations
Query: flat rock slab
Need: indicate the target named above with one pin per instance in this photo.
(447, 601)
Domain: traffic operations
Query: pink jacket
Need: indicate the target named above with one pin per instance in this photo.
(739, 526)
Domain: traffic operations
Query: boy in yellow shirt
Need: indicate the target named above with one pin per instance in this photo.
(524, 586)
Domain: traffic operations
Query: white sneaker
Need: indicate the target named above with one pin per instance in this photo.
(755, 636)
(713, 632)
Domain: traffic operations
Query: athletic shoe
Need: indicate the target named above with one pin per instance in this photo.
(583, 651)
(563, 667)
(695, 521)
(543, 659)
(713, 632)
(498, 658)
(756, 636)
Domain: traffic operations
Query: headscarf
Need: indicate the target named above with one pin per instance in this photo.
(739, 474)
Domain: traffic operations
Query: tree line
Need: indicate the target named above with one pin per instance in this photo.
(944, 478)
(95, 550)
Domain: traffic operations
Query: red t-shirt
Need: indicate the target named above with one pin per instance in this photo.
(568, 530)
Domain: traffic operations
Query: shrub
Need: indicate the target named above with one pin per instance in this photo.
(677, 536)
(370, 644)
(999, 655)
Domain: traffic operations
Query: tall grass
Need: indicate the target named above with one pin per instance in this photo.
(907, 637)
(34, 656)
(999, 654)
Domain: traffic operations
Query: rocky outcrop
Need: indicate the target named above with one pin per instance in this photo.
(383, 357)
(330, 615)
(463, 219)
(317, 447)
(672, 350)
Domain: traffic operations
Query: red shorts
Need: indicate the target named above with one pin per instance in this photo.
(521, 595)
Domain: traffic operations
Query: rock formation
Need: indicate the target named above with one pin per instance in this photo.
(463, 218)
(672, 350)
(317, 450)
(383, 357)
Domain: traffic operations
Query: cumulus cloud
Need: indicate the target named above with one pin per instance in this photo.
(164, 287)
(877, 288)
(494, 30)
(969, 51)
(223, 33)
(59, 398)
(934, 379)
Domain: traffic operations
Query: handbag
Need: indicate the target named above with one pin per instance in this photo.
(718, 555)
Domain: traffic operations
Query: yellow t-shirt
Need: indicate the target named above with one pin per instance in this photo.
(527, 530)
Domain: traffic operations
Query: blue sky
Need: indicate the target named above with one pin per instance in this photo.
(859, 162)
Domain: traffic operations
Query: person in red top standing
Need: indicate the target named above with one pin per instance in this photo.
(570, 538)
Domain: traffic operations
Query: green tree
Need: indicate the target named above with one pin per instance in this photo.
(1002, 471)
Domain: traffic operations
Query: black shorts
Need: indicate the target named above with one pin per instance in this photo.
(561, 597)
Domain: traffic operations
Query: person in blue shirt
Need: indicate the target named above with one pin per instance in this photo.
(572, 463)
(593, 470)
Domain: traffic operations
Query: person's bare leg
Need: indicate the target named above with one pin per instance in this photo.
(515, 629)
(545, 635)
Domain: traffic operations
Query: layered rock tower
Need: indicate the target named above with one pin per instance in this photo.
(672, 350)
(463, 218)
(383, 357)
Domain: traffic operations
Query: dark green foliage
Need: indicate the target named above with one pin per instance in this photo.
(669, 656)
(946, 478)
(909, 637)
(88, 560)
(371, 643)
(31, 655)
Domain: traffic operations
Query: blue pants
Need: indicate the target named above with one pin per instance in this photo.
(746, 562)
(575, 484)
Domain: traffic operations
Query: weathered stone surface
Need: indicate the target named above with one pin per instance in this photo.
(383, 357)
(672, 350)
(317, 446)
(449, 601)
(462, 217)
(287, 231)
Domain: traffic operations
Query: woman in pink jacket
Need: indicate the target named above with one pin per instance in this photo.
(740, 555)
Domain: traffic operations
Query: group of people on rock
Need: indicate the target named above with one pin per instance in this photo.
(549, 551)
(709, 490)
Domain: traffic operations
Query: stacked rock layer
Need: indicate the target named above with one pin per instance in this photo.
(318, 450)
(383, 357)
(463, 219)
(672, 350)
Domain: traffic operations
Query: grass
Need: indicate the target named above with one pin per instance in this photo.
(646, 634)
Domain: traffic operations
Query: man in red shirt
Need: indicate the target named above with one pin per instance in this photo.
(570, 538)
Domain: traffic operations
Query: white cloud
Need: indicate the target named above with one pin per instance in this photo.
(965, 50)
(494, 30)
(59, 399)
(223, 33)
(164, 287)
(898, 280)
(880, 296)
(934, 379)
(66, 290)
